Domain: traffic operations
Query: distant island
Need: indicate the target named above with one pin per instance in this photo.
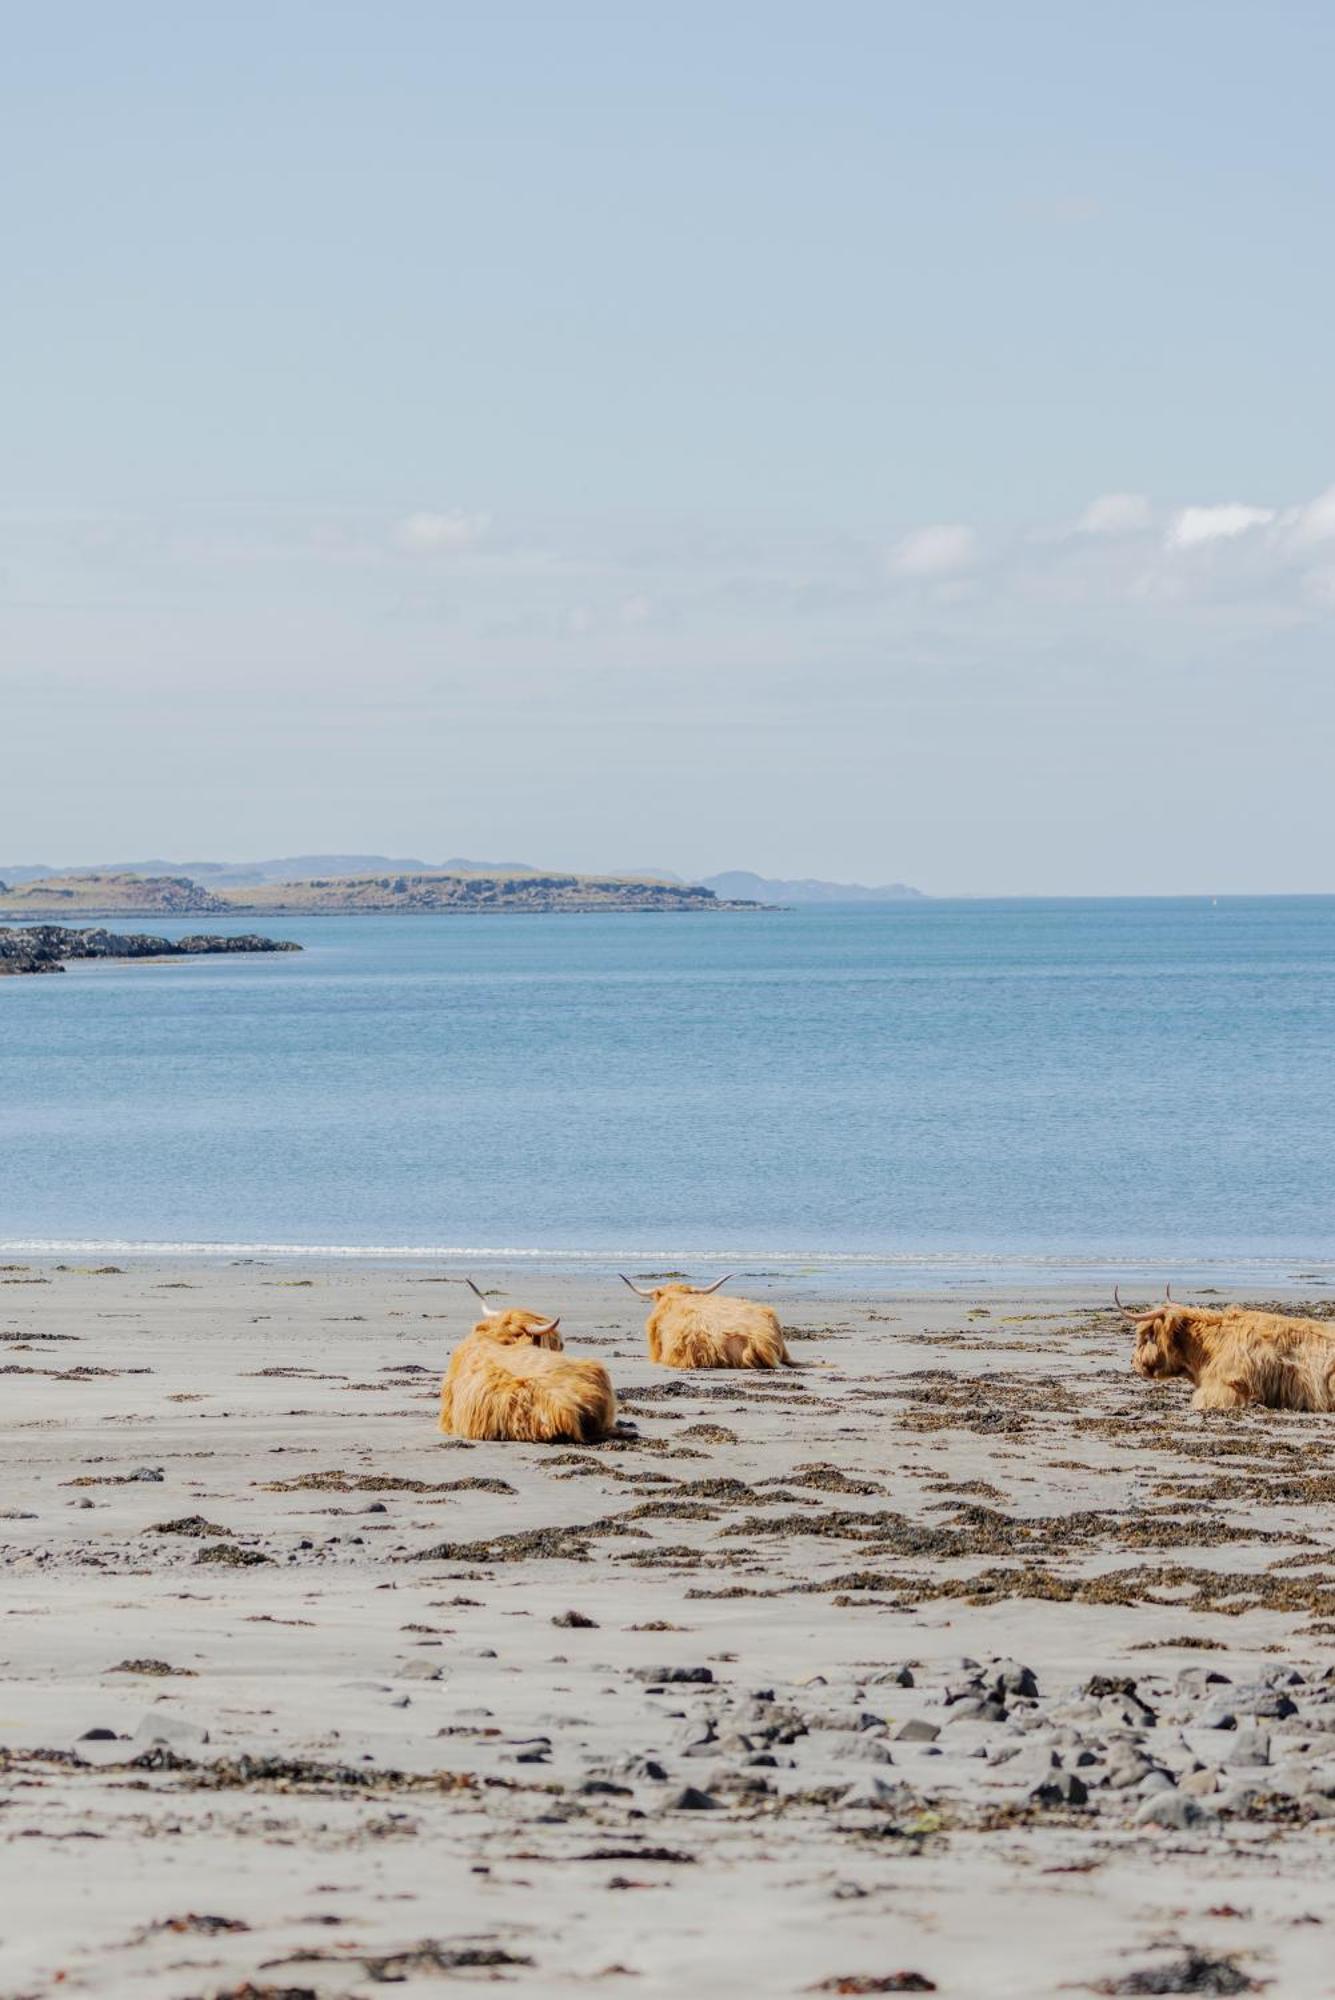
(102, 894)
(48, 947)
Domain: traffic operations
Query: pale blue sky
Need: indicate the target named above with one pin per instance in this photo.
(789, 436)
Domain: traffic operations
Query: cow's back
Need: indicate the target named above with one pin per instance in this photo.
(694, 1330)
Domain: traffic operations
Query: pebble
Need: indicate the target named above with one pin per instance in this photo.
(689, 1799)
(917, 1730)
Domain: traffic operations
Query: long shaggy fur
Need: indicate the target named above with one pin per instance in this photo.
(1237, 1357)
(504, 1381)
(686, 1329)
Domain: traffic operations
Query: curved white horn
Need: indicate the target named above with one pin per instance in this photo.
(635, 1288)
(538, 1332)
(704, 1290)
(492, 1312)
(1168, 1294)
(1121, 1308)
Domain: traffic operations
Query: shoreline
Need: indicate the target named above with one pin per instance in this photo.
(921, 1275)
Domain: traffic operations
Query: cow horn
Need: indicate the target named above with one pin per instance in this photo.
(704, 1290)
(492, 1312)
(539, 1331)
(1168, 1294)
(635, 1288)
(1121, 1308)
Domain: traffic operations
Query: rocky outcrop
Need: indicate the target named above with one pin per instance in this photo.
(47, 947)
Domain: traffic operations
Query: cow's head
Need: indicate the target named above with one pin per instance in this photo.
(1162, 1330)
(674, 1291)
(514, 1326)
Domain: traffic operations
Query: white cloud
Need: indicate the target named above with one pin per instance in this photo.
(934, 551)
(1116, 514)
(452, 530)
(1194, 526)
(1316, 521)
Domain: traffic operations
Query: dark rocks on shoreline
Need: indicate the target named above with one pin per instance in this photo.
(46, 947)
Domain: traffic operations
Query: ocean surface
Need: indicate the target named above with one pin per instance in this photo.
(942, 1086)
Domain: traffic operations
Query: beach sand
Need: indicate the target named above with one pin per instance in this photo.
(859, 1608)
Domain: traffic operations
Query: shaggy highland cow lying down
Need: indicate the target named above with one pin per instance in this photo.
(510, 1379)
(689, 1328)
(1237, 1357)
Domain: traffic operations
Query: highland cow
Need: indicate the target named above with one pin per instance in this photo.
(689, 1328)
(511, 1379)
(1236, 1357)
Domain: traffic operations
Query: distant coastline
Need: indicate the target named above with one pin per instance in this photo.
(178, 895)
(310, 884)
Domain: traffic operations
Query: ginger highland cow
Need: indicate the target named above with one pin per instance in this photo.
(511, 1379)
(689, 1328)
(1237, 1357)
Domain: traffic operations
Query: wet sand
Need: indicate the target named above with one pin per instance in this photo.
(957, 1654)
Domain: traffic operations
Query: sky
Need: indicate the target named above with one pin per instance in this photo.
(873, 439)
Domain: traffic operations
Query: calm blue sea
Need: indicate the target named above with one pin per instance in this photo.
(936, 1085)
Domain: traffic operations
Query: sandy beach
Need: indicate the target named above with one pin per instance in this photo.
(958, 1659)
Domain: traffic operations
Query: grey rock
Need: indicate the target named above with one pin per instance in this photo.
(1010, 1678)
(864, 1750)
(974, 1709)
(688, 1799)
(917, 1730)
(1125, 1771)
(1248, 1746)
(1170, 1809)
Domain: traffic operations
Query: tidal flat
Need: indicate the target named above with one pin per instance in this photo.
(956, 1659)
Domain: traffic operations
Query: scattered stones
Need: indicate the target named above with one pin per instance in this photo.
(575, 1621)
(148, 1667)
(674, 1676)
(1063, 1788)
(866, 1982)
(1195, 1973)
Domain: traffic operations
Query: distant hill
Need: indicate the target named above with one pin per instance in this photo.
(102, 894)
(738, 882)
(289, 868)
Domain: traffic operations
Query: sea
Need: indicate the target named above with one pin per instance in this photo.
(926, 1092)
